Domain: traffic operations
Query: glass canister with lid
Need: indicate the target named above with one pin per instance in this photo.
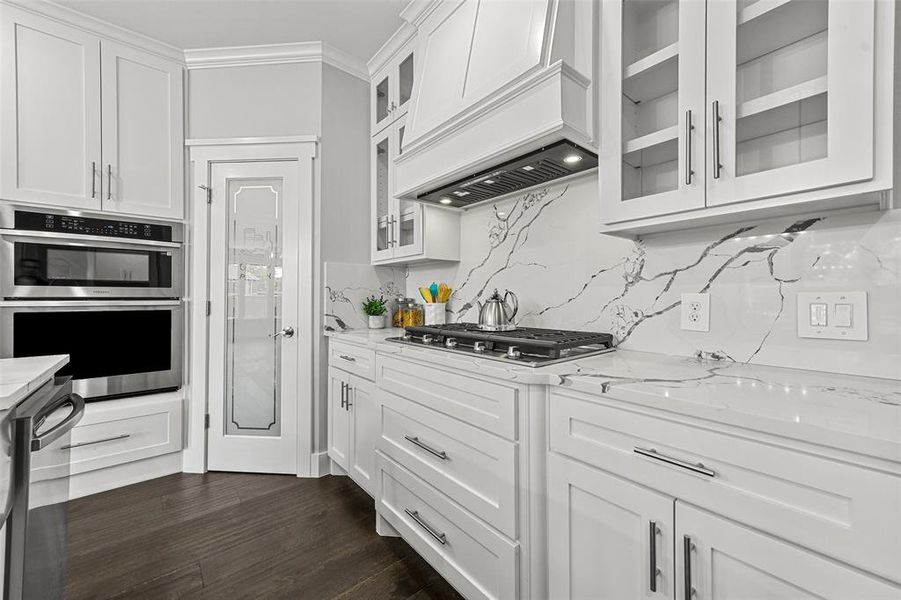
(411, 313)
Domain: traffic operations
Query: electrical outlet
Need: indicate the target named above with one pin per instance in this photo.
(696, 312)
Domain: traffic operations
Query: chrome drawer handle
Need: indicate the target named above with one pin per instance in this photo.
(415, 440)
(347, 358)
(693, 467)
(414, 514)
(91, 443)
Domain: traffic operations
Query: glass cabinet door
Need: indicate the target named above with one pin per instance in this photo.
(408, 236)
(652, 116)
(381, 102)
(404, 84)
(790, 96)
(382, 196)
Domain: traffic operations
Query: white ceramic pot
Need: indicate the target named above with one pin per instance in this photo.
(377, 322)
(435, 313)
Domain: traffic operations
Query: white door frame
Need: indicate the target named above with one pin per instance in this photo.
(203, 154)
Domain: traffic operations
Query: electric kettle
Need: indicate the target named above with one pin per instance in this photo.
(495, 314)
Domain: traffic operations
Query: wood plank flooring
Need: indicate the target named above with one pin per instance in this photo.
(232, 535)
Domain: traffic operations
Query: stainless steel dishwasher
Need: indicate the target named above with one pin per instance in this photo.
(36, 519)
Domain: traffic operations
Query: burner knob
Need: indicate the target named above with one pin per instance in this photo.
(427, 339)
(479, 347)
(407, 337)
(450, 342)
(513, 352)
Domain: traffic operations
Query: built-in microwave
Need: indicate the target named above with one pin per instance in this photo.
(69, 254)
(115, 347)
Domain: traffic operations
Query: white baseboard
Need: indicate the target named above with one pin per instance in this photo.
(335, 469)
(319, 464)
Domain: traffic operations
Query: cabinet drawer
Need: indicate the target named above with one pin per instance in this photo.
(473, 558)
(847, 511)
(473, 467)
(112, 433)
(486, 404)
(351, 358)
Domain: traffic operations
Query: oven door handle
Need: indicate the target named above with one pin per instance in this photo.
(82, 305)
(40, 441)
(83, 240)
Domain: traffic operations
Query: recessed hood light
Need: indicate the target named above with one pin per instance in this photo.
(446, 201)
(572, 158)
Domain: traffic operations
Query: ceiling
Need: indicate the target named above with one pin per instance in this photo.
(358, 27)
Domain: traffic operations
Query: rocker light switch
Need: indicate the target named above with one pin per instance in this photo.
(833, 315)
(818, 312)
(843, 315)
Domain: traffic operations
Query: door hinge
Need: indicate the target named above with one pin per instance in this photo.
(209, 308)
(209, 193)
(206, 421)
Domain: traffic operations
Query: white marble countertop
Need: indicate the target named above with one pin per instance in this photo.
(857, 414)
(21, 376)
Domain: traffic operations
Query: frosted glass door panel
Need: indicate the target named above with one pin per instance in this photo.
(253, 307)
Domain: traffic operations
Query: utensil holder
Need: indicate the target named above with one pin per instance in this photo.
(435, 313)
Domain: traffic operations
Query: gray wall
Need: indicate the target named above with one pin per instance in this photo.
(255, 101)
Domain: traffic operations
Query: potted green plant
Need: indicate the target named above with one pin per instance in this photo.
(375, 308)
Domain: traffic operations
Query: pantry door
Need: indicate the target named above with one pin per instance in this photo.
(254, 337)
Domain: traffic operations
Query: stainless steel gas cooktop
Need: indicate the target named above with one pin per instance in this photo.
(527, 346)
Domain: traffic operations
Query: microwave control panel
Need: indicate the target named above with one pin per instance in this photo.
(32, 221)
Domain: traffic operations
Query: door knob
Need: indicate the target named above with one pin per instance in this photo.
(287, 332)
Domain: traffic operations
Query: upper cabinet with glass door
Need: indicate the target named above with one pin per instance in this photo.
(392, 88)
(744, 108)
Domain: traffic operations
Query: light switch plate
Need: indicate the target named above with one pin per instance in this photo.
(845, 315)
(696, 312)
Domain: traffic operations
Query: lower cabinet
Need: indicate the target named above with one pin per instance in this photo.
(717, 559)
(353, 426)
(607, 538)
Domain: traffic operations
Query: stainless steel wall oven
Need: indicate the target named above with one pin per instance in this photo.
(106, 292)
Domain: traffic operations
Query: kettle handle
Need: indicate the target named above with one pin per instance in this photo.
(515, 304)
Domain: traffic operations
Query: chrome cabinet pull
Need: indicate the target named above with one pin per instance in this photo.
(93, 179)
(415, 441)
(687, 546)
(347, 358)
(414, 514)
(688, 128)
(343, 400)
(287, 332)
(393, 232)
(348, 403)
(693, 467)
(654, 571)
(109, 187)
(101, 441)
(716, 139)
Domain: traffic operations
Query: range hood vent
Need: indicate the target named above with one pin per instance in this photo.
(542, 166)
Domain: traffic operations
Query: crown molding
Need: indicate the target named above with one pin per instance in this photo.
(391, 48)
(417, 11)
(73, 18)
(274, 54)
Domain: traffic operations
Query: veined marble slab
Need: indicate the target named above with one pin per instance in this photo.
(847, 412)
(19, 377)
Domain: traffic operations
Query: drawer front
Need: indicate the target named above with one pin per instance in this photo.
(473, 467)
(842, 510)
(485, 404)
(351, 358)
(473, 558)
(113, 433)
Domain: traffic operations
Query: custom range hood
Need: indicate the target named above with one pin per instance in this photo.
(503, 100)
(550, 163)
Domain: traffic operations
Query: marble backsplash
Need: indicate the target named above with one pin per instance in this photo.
(545, 247)
(347, 285)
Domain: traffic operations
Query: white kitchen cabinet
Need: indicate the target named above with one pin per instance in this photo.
(353, 425)
(392, 89)
(608, 538)
(338, 418)
(143, 137)
(404, 230)
(49, 112)
(86, 122)
(734, 107)
(719, 559)
(652, 152)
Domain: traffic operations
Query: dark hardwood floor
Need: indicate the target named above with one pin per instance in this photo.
(231, 535)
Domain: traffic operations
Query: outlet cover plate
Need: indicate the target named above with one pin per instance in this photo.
(833, 315)
(696, 312)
